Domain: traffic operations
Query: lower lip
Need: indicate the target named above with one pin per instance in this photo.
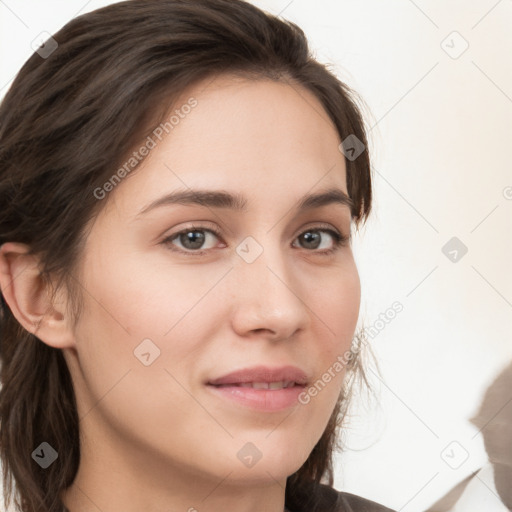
(267, 400)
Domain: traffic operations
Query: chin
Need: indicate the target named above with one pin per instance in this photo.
(275, 463)
(262, 474)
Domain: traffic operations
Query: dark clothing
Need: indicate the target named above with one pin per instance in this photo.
(322, 498)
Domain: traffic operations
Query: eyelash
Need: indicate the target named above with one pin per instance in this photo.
(340, 240)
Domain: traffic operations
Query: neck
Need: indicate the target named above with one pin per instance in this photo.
(109, 479)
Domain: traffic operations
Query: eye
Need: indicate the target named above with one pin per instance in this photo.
(312, 239)
(193, 238)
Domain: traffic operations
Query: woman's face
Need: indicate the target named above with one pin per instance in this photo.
(166, 314)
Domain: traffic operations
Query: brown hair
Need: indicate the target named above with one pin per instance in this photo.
(66, 122)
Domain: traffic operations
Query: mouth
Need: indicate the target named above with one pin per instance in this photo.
(263, 377)
(260, 385)
(261, 388)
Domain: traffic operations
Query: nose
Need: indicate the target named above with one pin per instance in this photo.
(270, 297)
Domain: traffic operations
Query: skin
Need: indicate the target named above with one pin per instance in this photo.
(154, 438)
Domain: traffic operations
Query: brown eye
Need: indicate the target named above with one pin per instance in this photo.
(312, 239)
(191, 239)
(194, 238)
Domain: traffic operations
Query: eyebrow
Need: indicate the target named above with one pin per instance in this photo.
(237, 202)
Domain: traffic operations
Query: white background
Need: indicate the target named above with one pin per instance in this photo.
(440, 137)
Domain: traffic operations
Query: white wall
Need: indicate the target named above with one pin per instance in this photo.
(440, 140)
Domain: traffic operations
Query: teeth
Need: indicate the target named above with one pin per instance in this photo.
(267, 385)
(260, 385)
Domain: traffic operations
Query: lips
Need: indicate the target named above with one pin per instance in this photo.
(260, 388)
(263, 377)
(262, 385)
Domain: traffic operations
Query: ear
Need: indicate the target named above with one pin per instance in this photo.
(28, 296)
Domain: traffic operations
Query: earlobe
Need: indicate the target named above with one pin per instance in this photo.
(28, 296)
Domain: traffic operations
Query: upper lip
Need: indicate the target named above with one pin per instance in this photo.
(263, 374)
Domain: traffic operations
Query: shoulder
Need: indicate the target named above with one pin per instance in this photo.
(323, 498)
(352, 503)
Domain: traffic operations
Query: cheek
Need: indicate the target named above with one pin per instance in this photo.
(146, 301)
(337, 303)
(127, 305)
(133, 310)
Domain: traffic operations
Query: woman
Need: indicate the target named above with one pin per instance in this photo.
(178, 184)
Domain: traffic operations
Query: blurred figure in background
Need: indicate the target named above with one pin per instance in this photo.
(490, 488)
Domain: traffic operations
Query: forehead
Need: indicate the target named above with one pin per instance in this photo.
(244, 135)
(238, 118)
